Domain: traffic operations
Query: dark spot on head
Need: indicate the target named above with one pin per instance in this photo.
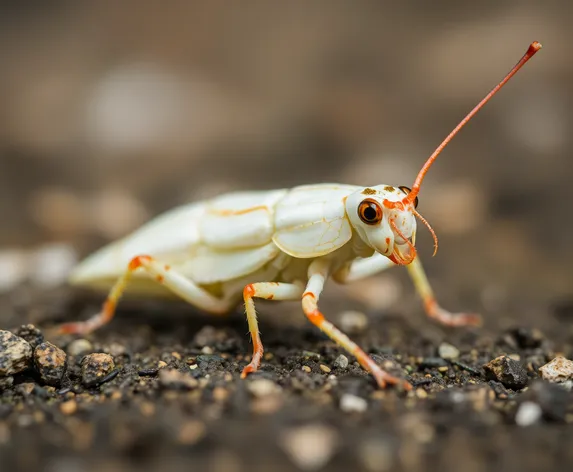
(389, 188)
(368, 191)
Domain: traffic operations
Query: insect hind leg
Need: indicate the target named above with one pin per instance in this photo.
(163, 274)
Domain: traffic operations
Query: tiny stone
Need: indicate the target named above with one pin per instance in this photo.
(309, 447)
(220, 394)
(443, 368)
(50, 363)
(207, 350)
(95, 367)
(353, 404)
(6, 383)
(161, 364)
(559, 370)
(191, 432)
(307, 369)
(31, 334)
(341, 362)
(353, 322)
(421, 393)
(173, 379)
(15, 354)
(69, 407)
(528, 413)
(262, 388)
(447, 351)
(507, 371)
(79, 347)
(325, 368)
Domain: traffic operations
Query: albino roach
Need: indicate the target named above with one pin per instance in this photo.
(277, 245)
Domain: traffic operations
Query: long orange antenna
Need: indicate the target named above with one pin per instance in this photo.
(533, 48)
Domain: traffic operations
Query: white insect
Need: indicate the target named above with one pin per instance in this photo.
(277, 245)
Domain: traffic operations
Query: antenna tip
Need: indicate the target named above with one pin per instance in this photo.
(534, 47)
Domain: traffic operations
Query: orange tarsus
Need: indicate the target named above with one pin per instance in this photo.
(533, 48)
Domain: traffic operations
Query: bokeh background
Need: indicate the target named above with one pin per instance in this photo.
(113, 112)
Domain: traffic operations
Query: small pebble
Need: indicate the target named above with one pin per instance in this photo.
(341, 362)
(207, 350)
(507, 371)
(309, 447)
(325, 368)
(15, 354)
(79, 347)
(95, 367)
(6, 383)
(31, 334)
(528, 413)
(306, 369)
(50, 362)
(559, 370)
(447, 351)
(173, 379)
(353, 404)
(69, 407)
(353, 322)
(263, 387)
(191, 432)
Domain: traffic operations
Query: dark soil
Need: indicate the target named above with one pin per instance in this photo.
(174, 399)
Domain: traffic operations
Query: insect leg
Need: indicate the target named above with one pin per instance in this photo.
(433, 310)
(163, 274)
(268, 291)
(317, 273)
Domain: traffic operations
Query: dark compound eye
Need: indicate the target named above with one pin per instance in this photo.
(370, 212)
(407, 190)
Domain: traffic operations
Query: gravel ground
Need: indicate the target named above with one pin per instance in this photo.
(149, 392)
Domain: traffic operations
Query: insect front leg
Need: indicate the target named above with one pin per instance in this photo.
(433, 310)
(163, 274)
(268, 291)
(362, 268)
(318, 273)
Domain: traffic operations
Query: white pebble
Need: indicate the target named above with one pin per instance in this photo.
(352, 404)
(341, 362)
(309, 447)
(263, 388)
(447, 351)
(13, 268)
(527, 414)
(51, 264)
(559, 370)
(353, 322)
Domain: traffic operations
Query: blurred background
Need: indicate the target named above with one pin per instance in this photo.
(113, 112)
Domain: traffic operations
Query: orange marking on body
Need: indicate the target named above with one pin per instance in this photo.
(387, 241)
(239, 212)
(270, 297)
(138, 261)
(167, 267)
(308, 294)
(249, 291)
(160, 279)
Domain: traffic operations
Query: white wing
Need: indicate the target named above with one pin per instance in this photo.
(310, 220)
